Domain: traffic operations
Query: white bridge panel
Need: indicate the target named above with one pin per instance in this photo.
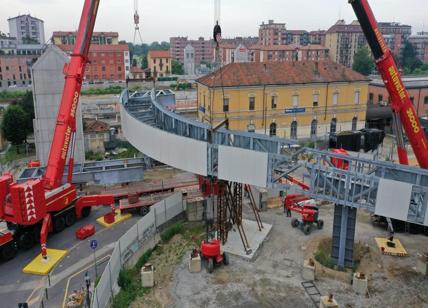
(176, 151)
(242, 166)
(393, 199)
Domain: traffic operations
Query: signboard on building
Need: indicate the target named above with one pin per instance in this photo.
(295, 110)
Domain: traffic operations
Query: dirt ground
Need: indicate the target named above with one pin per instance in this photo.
(274, 278)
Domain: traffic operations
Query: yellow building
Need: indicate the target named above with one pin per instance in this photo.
(299, 100)
(159, 62)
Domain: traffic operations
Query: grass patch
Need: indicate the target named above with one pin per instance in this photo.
(324, 258)
(129, 281)
(167, 235)
(15, 153)
(103, 91)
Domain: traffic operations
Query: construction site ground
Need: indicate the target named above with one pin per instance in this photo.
(274, 278)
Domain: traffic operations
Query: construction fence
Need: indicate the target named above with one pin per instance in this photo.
(141, 237)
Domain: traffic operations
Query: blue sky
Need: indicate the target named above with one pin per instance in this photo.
(193, 18)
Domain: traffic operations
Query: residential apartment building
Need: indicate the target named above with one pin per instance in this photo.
(203, 49)
(7, 44)
(416, 86)
(274, 53)
(395, 35)
(108, 59)
(317, 37)
(15, 70)
(344, 40)
(159, 63)
(420, 43)
(299, 100)
(27, 29)
(272, 33)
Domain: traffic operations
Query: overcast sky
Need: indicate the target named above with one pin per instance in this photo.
(161, 19)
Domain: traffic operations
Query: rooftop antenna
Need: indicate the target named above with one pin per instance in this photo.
(137, 22)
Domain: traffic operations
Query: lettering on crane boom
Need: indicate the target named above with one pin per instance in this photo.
(74, 105)
(380, 39)
(396, 80)
(64, 149)
(413, 121)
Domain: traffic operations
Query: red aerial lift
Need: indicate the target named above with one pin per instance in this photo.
(37, 207)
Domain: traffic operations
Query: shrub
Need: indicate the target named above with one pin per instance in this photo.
(171, 231)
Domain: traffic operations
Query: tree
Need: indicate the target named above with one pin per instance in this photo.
(409, 60)
(14, 124)
(27, 105)
(362, 62)
(144, 63)
(134, 62)
(177, 68)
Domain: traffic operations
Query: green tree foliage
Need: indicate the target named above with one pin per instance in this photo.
(409, 61)
(177, 68)
(27, 105)
(362, 62)
(15, 125)
(144, 63)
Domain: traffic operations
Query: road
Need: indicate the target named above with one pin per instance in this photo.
(17, 287)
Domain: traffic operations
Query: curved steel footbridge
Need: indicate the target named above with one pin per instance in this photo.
(383, 188)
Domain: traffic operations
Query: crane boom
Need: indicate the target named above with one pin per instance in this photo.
(66, 120)
(402, 107)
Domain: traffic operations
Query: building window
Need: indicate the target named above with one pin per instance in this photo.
(371, 98)
(225, 104)
(380, 98)
(335, 98)
(274, 101)
(293, 130)
(357, 97)
(314, 125)
(252, 103)
(412, 99)
(426, 100)
(354, 123)
(295, 100)
(333, 126)
(272, 129)
(315, 100)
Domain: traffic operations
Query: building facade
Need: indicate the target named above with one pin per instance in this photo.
(272, 33)
(299, 100)
(108, 60)
(7, 45)
(48, 83)
(96, 134)
(15, 70)
(159, 63)
(420, 43)
(274, 53)
(189, 60)
(395, 35)
(203, 49)
(344, 40)
(416, 86)
(27, 29)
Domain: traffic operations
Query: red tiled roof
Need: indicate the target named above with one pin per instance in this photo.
(159, 54)
(98, 48)
(97, 127)
(280, 73)
(65, 33)
(288, 47)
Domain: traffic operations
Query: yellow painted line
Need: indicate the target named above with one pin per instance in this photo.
(64, 302)
(34, 290)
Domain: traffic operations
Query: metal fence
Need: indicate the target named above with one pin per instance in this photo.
(138, 239)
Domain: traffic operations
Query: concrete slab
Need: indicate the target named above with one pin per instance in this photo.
(255, 238)
(117, 219)
(43, 267)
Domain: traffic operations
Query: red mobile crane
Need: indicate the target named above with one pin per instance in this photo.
(404, 114)
(37, 207)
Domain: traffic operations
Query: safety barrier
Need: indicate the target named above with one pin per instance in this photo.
(139, 238)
